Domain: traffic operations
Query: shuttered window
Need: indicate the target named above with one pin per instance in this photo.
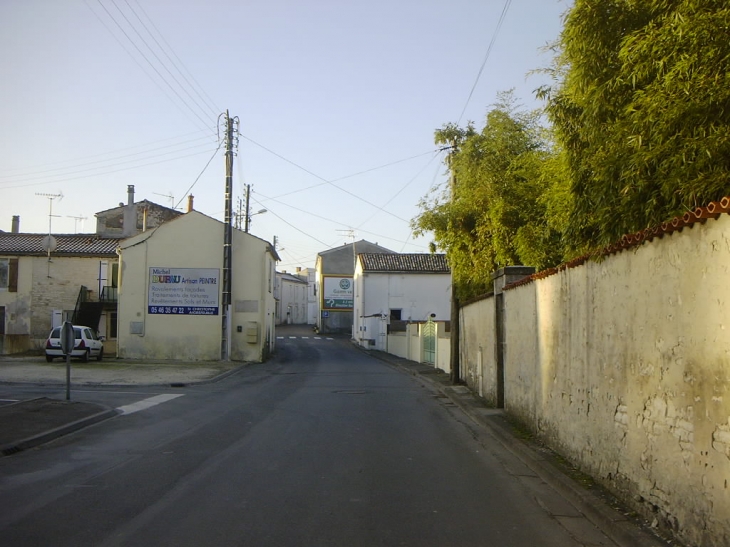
(13, 275)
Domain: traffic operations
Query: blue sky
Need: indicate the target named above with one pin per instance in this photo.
(337, 101)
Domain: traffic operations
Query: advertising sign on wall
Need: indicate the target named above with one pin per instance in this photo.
(183, 291)
(337, 293)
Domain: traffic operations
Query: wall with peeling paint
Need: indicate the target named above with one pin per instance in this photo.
(476, 348)
(623, 366)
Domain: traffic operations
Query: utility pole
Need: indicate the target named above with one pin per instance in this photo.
(249, 214)
(247, 220)
(455, 356)
(239, 214)
(231, 129)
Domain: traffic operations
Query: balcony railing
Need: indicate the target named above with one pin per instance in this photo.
(108, 294)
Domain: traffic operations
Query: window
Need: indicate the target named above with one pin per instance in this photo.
(395, 315)
(9, 274)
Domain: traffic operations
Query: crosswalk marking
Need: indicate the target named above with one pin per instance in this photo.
(147, 403)
(302, 337)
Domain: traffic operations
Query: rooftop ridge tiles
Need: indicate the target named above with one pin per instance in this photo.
(700, 215)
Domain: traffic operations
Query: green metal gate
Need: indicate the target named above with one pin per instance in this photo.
(429, 342)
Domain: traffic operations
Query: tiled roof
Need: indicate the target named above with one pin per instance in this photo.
(291, 277)
(690, 218)
(357, 244)
(416, 262)
(144, 203)
(67, 245)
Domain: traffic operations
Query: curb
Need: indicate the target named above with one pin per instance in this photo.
(55, 433)
(174, 384)
(617, 527)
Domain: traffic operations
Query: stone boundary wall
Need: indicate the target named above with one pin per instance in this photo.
(623, 366)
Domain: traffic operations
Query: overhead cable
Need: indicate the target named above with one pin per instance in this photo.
(486, 57)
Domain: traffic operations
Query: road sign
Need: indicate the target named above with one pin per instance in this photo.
(68, 338)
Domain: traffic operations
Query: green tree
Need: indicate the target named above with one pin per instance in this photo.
(642, 109)
(494, 213)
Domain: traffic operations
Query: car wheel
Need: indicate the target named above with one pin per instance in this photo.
(101, 355)
(49, 358)
(85, 357)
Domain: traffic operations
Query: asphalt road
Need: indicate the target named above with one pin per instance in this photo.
(323, 445)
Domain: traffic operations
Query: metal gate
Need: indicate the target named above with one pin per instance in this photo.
(429, 342)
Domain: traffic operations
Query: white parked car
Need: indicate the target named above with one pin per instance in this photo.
(88, 344)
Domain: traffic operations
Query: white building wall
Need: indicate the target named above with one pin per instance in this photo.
(623, 366)
(416, 295)
(293, 303)
(196, 337)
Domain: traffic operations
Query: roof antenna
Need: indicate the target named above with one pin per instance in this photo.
(49, 242)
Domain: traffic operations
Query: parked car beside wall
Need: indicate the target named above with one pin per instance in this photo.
(87, 344)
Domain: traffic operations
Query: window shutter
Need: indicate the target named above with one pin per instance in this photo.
(13, 275)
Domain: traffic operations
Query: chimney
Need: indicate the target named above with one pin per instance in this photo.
(129, 214)
(16, 225)
(299, 269)
(190, 202)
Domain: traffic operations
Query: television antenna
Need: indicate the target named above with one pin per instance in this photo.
(49, 242)
(168, 196)
(77, 219)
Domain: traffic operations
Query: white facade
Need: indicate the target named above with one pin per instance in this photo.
(291, 299)
(383, 296)
(180, 318)
(310, 275)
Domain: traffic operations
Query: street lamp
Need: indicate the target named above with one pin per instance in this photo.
(248, 218)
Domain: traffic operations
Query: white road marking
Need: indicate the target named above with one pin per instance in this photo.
(147, 403)
(302, 337)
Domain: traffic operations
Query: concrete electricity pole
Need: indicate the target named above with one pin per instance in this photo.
(455, 356)
(231, 129)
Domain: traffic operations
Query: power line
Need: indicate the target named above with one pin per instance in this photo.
(407, 184)
(103, 172)
(162, 63)
(489, 51)
(200, 175)
(330, 220)
(355, 174)
(108, 153)
(34, 174)
(325, 181)
(214, 109)
(296, 228)
(129, 39)
(32, 178)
